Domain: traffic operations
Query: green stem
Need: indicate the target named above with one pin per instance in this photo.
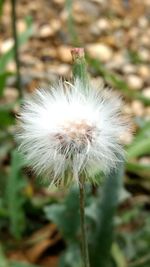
(16, 52)
(85, 253)
(79, 65)
(80, 72)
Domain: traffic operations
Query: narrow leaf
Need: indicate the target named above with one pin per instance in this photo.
(3, 260)
(103, 234)
(66, 215)
(13, 197)
(3, 78)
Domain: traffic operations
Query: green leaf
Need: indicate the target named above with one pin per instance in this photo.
(3, 211)
(141, 142)
(118, 256)
(139, 148)
(138, 168)
(3, 260)
(143, 133)
(66, 215)
(14, 198)
(106, 208)
(1, 6)
(71, 257)
(134, 57)
(22, 264)
(6, 118)
(6, 115)
(3, 78)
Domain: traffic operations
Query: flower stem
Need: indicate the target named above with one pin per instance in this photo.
(79, 65)
(16, 50)
(85, 253)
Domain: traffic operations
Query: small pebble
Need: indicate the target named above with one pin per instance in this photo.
(10, 94)
(100, 51)
(55, 25)
(144, 71)
(144, 40)
(127, 109)
(100, 26)
(126, 138)
(6, 45)
(49, 29)
(60, 70)
(64, 54)
(134, 82)
(144, 160)
(133, 33)
(11, 66)
(144, 54)
(137, 108)
(143, 22)
(146, 92)
(21, 26)
(59, 2)
(45, 32)
(129, 68)
(119, 59)
(103, 24)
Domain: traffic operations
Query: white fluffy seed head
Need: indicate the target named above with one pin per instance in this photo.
(71, 128)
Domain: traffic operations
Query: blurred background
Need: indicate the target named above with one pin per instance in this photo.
(38, 226)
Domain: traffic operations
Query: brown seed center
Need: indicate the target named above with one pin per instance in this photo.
(75, 136)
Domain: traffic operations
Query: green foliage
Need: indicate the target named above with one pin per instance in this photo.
(135, 243)
(14, 198)
(99, 213)
(6, 118)
(118, 256)
(6, 115)
(3, 78)
(12, 204)
(130, 247)
(79, 67)
(1, 6)
(22, 264)
(137, 167)
(3, 260)
(134, 57)
(141, 143)
(66, 215)
(106, 208)
(139, 147)
(71, 258)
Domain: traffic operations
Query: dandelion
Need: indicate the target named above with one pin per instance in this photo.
(72, 131)
(71, 127)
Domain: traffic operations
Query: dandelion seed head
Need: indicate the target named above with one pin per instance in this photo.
(69, 127)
